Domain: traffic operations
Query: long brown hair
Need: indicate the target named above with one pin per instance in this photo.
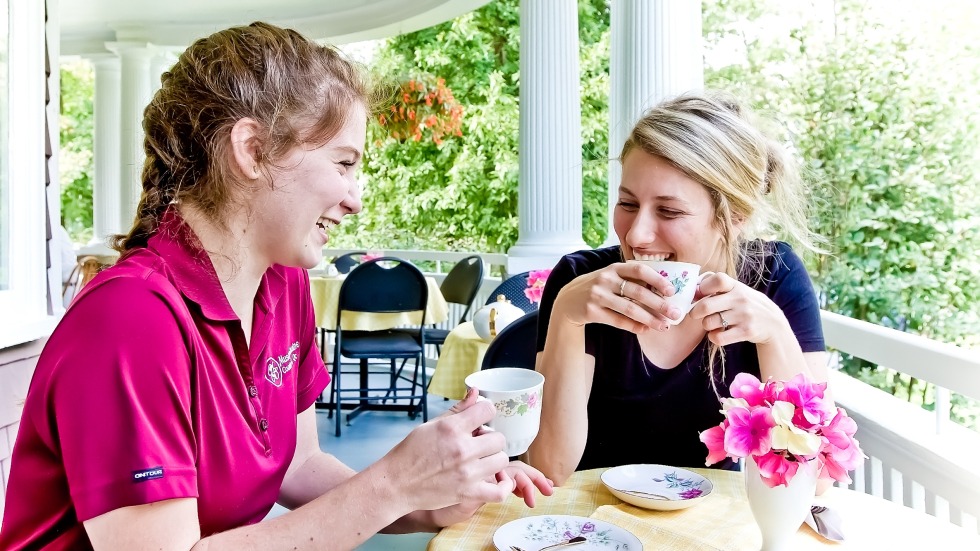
(297, 90)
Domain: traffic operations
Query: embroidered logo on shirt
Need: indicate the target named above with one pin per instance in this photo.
(148, 474)
(277, 367)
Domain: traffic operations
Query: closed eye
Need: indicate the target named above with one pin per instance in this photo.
(627, 206)
(671, 213)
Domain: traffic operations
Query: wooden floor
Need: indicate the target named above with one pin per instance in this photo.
(369, 437)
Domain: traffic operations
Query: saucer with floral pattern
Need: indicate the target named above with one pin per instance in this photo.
(659, 487)
(533, 533)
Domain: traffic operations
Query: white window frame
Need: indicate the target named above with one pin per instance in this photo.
(23, 305)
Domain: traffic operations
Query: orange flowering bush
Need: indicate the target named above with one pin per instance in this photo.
(423, 109)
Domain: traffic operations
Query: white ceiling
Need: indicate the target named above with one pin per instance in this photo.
(86, 25)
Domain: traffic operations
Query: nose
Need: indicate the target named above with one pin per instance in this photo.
(352, 203)
(642, 232)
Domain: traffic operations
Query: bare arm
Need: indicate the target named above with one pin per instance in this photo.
(450, 465)
(568, 370)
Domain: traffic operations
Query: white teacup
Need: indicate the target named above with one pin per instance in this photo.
(516, 393)
(684, 277)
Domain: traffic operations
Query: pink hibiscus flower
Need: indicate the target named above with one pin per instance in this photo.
(748, 431)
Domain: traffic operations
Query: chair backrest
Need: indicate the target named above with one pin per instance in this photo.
(383, 285)
(345, 262)
(513, 288)
(463, 282)
(516, 345)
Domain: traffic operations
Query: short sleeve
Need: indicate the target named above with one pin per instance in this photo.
(313, 376)
(790, 288)
(120, 398)
(562, 274)
(568, 268)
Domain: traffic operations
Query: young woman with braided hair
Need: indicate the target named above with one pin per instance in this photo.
(173, 405)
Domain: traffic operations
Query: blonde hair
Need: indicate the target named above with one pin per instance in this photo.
(297, 90)
(751, 178)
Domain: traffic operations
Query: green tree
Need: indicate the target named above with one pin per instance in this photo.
(75, 160)
(461, 194)
(885, 118)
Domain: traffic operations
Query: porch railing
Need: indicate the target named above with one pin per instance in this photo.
(916, 458)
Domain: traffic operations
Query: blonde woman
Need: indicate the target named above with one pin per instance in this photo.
(700, 184)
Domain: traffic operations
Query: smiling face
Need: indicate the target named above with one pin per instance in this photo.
(663, 214)
(313, 187)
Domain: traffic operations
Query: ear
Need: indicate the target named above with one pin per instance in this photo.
(246, 148)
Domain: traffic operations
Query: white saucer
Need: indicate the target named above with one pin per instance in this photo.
(533, 533)
(659, 487)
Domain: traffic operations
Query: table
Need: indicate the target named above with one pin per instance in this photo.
(723, 522)
(325, 292)
(460, 355)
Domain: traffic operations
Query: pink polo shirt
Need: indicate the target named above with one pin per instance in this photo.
(147, 391)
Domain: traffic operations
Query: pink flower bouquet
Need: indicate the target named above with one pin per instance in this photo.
(535, 284)
(781, 424)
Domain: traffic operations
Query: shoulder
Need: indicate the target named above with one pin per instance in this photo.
(781, 259)
(581, 262)
(138, 288)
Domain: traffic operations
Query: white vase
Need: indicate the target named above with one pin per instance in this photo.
(780, 511)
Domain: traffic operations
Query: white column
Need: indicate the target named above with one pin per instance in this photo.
(135, 86)
(549, 200)
(655, 53)
(162, 61)
(105, 188)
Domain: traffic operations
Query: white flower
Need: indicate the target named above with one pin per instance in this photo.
(729, 403)
(787, 436)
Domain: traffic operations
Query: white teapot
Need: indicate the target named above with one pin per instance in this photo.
(492, 318)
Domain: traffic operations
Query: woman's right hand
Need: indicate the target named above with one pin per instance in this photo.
(450, 460)
(625, 295)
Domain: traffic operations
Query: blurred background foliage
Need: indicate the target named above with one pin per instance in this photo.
(879, 98)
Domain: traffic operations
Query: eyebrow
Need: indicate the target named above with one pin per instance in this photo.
(661, 198)
(352, 150)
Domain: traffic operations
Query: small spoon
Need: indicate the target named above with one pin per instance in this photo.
(567, 543)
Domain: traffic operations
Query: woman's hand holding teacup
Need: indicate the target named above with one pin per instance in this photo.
(514, 477)
(731, 311)
(450, 460)
(626, 295)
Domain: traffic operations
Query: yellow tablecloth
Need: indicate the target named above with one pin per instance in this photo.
(325, 292)
(723, 522)
(461, 355)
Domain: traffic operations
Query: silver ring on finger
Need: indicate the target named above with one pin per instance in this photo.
(622, 289)
(724, 322)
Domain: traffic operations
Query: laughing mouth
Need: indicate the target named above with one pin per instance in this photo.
(659, 257)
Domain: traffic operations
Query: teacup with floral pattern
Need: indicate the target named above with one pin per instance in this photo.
(516, 394)
(684, 276)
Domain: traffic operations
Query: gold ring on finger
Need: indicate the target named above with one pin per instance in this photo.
(622, 288)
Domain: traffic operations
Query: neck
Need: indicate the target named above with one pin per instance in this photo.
(239, 269)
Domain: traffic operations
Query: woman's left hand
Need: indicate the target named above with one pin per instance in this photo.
(525, 478)
(731, 311)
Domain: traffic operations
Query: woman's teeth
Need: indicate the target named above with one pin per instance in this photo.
(658, 257)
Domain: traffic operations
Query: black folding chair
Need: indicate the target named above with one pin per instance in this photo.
(516, 345)
(345, 262)
(460, 287)
(513, 289)
(383, 285)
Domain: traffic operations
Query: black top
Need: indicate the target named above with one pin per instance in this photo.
(640, 413)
